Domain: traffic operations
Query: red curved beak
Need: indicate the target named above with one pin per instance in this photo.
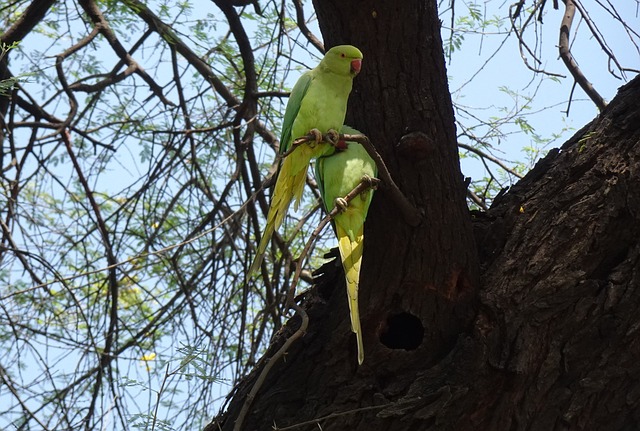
(356, 65)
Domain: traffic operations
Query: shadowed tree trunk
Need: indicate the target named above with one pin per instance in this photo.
(546, 338)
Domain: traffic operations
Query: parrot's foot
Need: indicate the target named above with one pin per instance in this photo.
(316, 136)
(333, 137)
(371, 182)
(342, 204)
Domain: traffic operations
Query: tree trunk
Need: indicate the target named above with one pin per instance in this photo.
(551, 341)
(418, 283)
(556, 343)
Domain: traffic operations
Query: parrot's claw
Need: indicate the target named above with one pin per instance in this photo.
(333, 137)
(371, 182)
(317, 137)
(342, 204)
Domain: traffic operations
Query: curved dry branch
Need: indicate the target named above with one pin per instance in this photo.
(521, 42)
(91, 8)
(569, 61)
(595, 32)
(302, 25)
(411, 214)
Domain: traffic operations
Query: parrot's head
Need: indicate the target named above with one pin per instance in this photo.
(343, 60)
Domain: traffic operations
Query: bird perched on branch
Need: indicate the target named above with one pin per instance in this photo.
(317, 105)
(337, 175)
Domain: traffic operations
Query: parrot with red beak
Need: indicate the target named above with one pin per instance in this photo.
(317, 105)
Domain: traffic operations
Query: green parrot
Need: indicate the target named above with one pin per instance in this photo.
(337, 175)
(318, 101)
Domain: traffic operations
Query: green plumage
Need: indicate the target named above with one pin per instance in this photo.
(318, 101)
(337, 175)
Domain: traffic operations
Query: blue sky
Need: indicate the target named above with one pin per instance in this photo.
(507, 69)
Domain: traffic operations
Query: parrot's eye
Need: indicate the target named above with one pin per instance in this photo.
(342, 55)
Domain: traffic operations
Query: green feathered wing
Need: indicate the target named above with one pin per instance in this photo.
(317, 101)
(337, 175)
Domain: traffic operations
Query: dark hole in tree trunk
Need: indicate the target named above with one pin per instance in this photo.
(403, 331)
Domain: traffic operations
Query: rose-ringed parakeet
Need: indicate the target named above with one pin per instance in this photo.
(318, 101)
(337, 175)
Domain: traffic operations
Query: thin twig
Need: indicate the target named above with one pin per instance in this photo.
(6, 380)
(600, 39)
(100, 22)
(522, 44)
(105, 354)
(331, 416)
(168, 34)
(490, 158)
(363, 185)
(158, 252)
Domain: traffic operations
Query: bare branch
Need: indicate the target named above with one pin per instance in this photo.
(111, 335)
(491, 158)
(569, 61)
(521, 42)
(199, 64)
(133, 67)
(411, 214)
(476, 200)
(599, 38)
(302, 25)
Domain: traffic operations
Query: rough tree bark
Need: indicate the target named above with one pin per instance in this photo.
(551, 341)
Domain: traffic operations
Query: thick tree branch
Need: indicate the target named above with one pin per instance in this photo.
(31, 17)
(27, 20)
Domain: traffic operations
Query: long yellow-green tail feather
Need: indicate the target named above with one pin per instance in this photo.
(289, 185)
(351, 254)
